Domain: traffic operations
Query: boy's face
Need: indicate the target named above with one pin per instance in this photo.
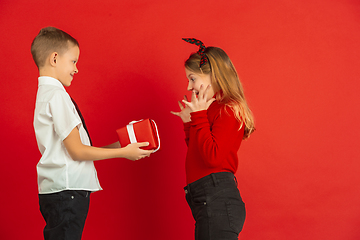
(66, 65)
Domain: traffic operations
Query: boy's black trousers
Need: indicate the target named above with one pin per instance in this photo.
(65, 213)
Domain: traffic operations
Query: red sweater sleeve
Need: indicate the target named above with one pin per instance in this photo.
(215, 142)
(187, 132)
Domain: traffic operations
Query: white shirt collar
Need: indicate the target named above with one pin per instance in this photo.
(45, 80)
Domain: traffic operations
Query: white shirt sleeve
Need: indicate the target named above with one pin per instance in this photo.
(63, 114)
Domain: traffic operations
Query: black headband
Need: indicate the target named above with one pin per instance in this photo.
(201, 50)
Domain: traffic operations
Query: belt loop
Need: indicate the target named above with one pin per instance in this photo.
(214, 179)
(187, 190)
(236, 180)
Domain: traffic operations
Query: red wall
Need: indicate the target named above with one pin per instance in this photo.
(298, 61)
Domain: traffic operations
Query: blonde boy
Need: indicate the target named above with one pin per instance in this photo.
(66, 172)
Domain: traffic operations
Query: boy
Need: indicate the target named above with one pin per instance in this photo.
(66, 172)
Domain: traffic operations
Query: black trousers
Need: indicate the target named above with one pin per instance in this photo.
(64, 213)
(216, 206)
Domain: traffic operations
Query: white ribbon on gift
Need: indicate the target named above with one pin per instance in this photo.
(131, 132)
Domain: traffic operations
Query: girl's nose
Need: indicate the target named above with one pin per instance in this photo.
(189, 88)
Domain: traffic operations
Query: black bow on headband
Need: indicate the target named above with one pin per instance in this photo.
(201, 51)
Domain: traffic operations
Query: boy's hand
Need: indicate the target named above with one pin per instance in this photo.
(200, 102)
(134, 151)
(184, 113)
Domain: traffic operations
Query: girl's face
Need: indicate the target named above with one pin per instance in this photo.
(196, 80)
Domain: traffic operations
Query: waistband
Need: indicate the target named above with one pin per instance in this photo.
(213, 178)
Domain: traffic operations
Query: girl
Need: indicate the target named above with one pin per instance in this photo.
(216, 120)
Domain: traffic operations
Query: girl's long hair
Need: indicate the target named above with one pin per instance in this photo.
(226, 84)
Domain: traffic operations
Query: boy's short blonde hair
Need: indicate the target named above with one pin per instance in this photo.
(49, 40)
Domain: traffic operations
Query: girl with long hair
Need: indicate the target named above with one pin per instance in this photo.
(216, 120)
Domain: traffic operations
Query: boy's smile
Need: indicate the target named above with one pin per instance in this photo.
(66, 65)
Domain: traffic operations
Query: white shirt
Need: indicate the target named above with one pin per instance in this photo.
(55, 117)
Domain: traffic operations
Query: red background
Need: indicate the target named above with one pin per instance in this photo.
(298, 61)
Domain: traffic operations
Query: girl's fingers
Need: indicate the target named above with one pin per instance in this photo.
(175, 113)
(180, 105)
(202, 92)
(206, 90)
(189, 104)
(193, 96)
(185, 97)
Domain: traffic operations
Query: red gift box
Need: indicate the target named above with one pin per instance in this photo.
(140, 131)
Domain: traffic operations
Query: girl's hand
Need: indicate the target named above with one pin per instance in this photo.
(184, 113)
(200, 102)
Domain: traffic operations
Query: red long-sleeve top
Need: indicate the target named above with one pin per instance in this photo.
(213, 138)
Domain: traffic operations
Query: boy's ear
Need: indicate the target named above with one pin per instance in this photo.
(53, 58)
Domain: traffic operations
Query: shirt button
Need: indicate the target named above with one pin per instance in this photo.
(72, 197)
